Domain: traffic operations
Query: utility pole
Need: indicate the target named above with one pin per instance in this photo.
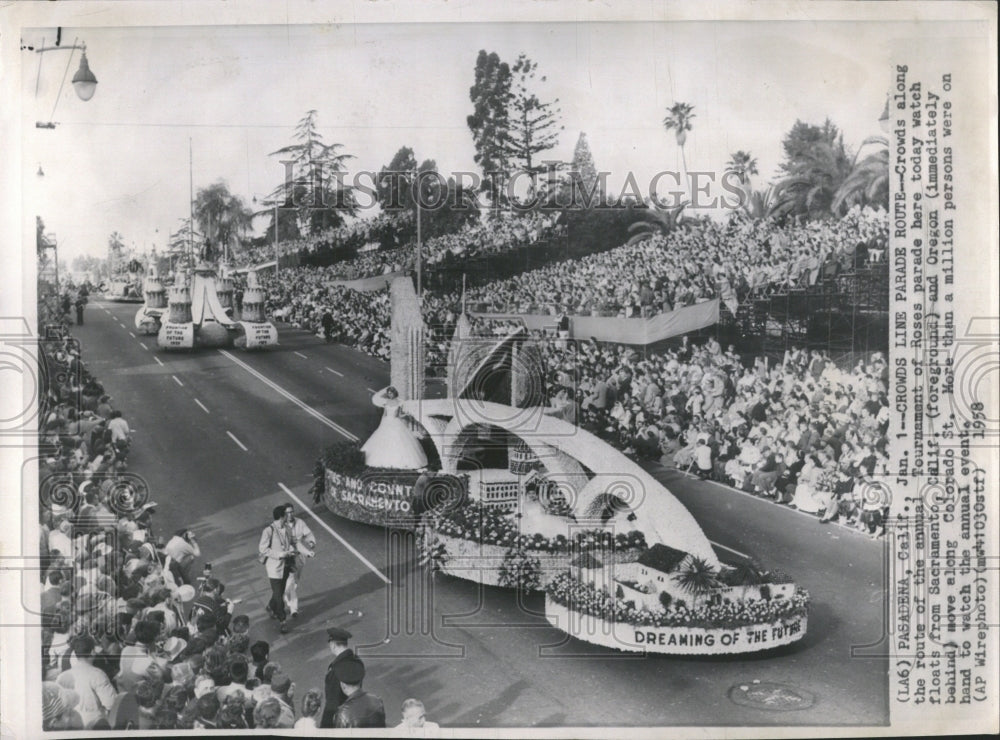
(190, 203)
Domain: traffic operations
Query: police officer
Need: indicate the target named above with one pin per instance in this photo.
(337, 640)
(359, 709)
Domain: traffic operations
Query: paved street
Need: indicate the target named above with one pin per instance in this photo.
(224, 436)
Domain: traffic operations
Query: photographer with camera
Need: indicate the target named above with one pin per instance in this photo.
(183, 548)
(277, 551)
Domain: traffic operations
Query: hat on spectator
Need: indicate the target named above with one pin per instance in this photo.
(350, 671)
(174, 646)
(186, 593)
(336, 634)
(54, 701)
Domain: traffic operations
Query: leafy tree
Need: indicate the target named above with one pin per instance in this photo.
(314, 185)
(801, 141)
(868, 183)
(678, 120)
(743, 165)
(490, 122)
(534, 125)
(395, 181)
(221, 216)
(41, 242)
(697, 578)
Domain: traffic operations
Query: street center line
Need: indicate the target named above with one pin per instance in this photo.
(177, 380)
(340, 375)
(143, 345)
(302, 355)
(285, 394)
(157, 360)
(131, 335)
(233, 437)
(340, 539)
(735, 552)
(202, 406)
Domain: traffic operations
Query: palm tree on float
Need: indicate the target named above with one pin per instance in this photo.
(697, 578)
(746, 573)
(678, 120)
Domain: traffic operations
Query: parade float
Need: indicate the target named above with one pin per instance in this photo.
(147, 318)
(200, 312)
(125, 286)
(504, 491)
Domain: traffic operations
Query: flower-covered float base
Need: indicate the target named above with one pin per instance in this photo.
(482, 545)
(382, 496)
(716, 628)
(675, 640)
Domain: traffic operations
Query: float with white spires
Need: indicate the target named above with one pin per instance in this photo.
(200, 310)
(505, 490)
(147, 318)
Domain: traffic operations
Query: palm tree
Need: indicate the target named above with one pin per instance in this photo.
(678, 119)
(654, 221)
(221, 216)
(868, 182)
(813, 181)
(759, 204)
(697, 578)
(743, 165)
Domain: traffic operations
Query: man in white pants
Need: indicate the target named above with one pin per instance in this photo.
(305, 543)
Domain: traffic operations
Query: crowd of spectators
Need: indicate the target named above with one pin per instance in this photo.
(802, 431)
(693, 264)
(379, 254)
(132, 636)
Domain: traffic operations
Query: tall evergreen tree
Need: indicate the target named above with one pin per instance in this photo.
(534, 125)
(584, 188)
(313, 186)
(490, 123)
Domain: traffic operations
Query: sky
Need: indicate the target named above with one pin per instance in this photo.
(120, 162)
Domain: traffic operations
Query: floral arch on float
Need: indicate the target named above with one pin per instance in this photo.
(517, 496)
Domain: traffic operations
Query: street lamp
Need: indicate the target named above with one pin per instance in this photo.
(84, 81)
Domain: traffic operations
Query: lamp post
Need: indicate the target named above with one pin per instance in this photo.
(84, 81)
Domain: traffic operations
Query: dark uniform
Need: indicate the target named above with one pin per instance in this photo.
(360, 709)
(334, 695)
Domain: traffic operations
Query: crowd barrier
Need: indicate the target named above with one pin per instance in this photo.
(624, 331)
